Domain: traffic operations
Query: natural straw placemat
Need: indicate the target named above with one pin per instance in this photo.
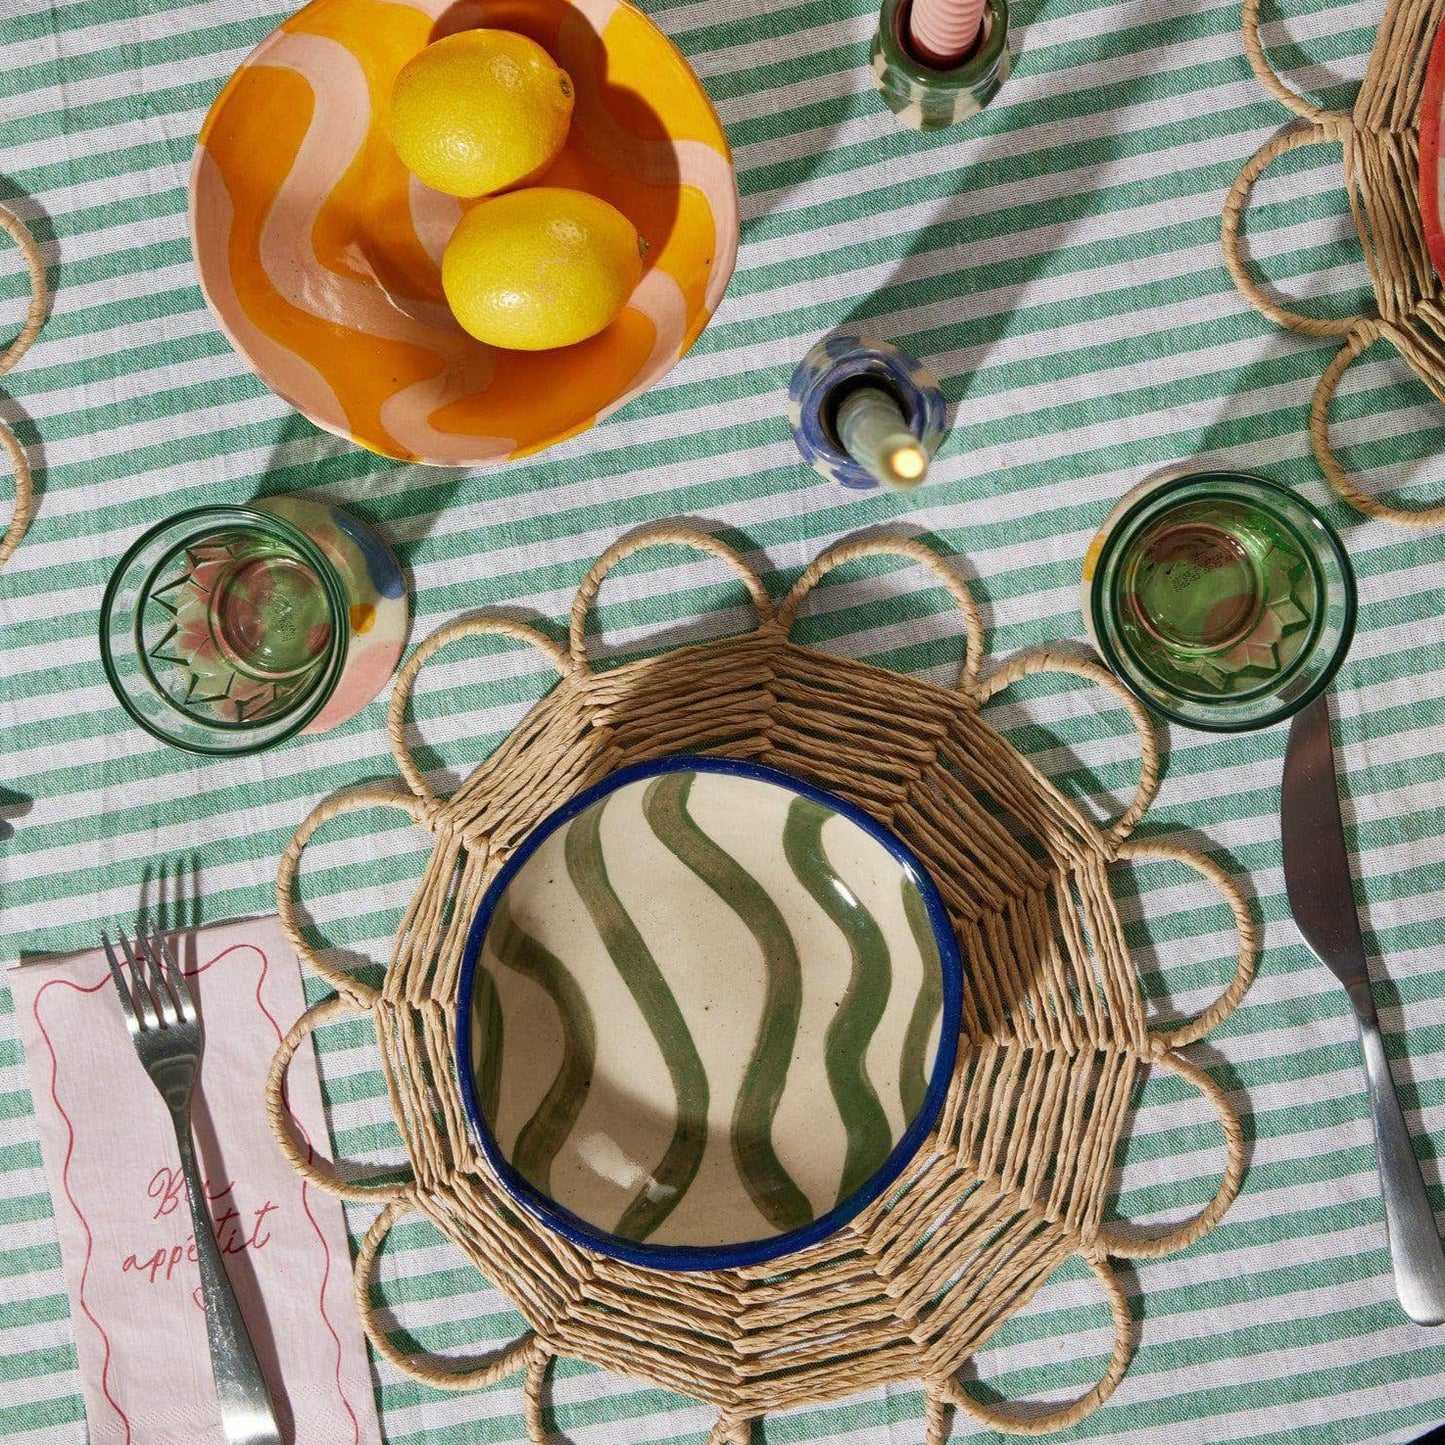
(1380, 144)
(1014, 1180)
(34, 320)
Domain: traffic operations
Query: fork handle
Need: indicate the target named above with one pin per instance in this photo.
(246, 1413)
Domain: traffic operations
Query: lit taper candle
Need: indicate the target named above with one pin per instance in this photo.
(875, 433)
(864, 413)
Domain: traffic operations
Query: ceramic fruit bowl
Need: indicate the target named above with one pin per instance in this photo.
(707, 1014)
(320, 254)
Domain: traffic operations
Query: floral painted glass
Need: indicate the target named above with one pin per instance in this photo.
(1225, 601)
(224, 630)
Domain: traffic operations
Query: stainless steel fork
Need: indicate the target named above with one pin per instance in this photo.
(166, 1030)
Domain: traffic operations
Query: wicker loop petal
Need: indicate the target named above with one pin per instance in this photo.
(1380, 144)
(439, 1375)
(935, 1415)
(1268, 76)
(1230, 238)
(301, 1156)
(1040, 660)
(19, 232)
(1154, 1246)
(24, 507)
(1211, 1018)
(1356, 344)
(406, 681)
(1007, 1422)
(911, 550)
(24, 494)
(660, 536)
(420, 812)
(535, 1379)
(731, 1431)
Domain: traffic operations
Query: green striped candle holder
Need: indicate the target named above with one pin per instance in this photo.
(925, 98)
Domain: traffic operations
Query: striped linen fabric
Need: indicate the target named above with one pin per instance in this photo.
(1057, 264)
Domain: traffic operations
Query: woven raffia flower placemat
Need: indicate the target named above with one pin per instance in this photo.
(1380, 155)
(1014, 1180)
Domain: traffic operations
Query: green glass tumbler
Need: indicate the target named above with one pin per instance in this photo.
(224, 630)
(1223, 600)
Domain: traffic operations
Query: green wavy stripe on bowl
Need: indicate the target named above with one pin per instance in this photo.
(768, 1183)
(634, 962)
(869, 1135)
(542, 1136)
(488, 1009)
(913, 1068)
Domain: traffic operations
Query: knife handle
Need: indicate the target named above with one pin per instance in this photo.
(1414, 1243)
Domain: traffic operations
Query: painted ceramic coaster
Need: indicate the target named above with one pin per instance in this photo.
(707, 1014)
(378, 607)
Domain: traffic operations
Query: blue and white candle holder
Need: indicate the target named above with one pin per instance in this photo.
(840, 365)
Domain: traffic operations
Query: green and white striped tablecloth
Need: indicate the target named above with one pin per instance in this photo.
(1057, 264)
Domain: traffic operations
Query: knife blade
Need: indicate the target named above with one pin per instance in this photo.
(1321, 897)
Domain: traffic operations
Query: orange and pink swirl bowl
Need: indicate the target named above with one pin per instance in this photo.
(320, 254)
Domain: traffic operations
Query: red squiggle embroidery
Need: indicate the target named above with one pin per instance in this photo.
(306, 1205)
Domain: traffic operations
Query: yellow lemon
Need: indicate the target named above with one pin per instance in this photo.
(479, 111)
(540, 268)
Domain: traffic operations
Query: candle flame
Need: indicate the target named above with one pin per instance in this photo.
(908, 464)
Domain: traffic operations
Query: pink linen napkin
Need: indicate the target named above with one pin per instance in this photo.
(120, 1205)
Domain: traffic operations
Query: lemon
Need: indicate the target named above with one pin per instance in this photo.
(479, 111)
(541, 267)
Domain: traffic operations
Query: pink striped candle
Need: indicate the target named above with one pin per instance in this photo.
(941, 33)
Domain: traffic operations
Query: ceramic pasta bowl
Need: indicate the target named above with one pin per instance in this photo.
(707, 1014)
(320, 254)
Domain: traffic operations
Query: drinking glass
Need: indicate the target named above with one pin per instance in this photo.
(1223, 600)
(224, 630)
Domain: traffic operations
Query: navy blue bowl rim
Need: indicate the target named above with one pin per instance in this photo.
(749, 1252)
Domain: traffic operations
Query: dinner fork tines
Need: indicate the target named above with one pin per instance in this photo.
(160, 1012)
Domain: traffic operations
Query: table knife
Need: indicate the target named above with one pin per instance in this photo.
(1317, 881)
